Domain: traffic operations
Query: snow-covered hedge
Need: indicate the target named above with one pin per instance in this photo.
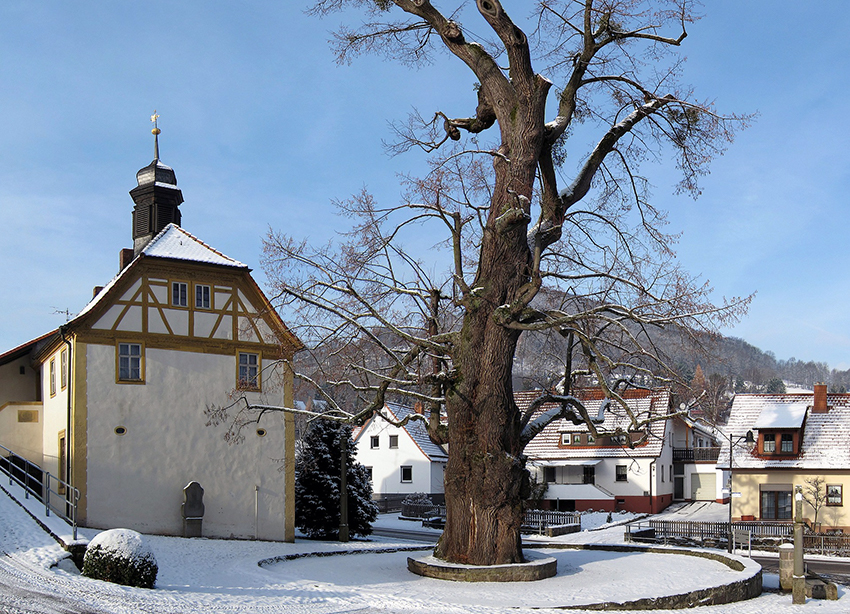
(121, 556)
(417, 498)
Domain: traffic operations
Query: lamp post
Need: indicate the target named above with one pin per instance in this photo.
(750, 441)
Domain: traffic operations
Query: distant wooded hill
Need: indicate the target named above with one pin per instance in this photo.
(741, 365)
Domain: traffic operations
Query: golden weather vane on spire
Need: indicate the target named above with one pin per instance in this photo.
(155, 132)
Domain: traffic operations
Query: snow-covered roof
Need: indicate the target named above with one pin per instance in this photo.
(175, 243)
(781, 416)
(415, 428)
(643, 403)
(826, 436)
(418, 432)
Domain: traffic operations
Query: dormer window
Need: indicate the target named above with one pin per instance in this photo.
(769, 446)
(779, 443)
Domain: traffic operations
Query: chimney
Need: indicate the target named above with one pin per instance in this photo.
(820, 406)
(97, 290)
(126, 257)
(418, 408)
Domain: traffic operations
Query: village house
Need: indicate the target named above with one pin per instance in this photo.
(676, 462)
(113, 402)
(798, 438)
(401, 460)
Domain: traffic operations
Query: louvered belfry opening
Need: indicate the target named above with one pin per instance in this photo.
(156, 199)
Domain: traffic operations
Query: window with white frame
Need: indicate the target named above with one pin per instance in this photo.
(52, 377)
(406, 473)
(622, 473)
(375, 442)
(63, 369)
(179, 294)
(249, 371)
(202, 297)
(129, 362)
(566, 439)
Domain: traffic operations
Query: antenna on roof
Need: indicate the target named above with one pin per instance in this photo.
(155, 132)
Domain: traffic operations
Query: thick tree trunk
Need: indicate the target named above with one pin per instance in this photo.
(485, 477)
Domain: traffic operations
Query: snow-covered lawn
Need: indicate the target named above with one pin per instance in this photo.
(201, 575)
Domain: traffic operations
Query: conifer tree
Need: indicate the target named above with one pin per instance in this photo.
(317, 484)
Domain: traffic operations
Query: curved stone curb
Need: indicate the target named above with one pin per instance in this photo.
(531, 570)
(305, 555)
(740, 590)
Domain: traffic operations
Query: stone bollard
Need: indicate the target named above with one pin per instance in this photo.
(786, 567)
(193, 510)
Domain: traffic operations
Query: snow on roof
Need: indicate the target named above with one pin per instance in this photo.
(418, 432)
(644, 403)
(826, 436)
(177, 244)
(781, 416)
(174, 243)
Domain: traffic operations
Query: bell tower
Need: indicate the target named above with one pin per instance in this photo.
(156, 197)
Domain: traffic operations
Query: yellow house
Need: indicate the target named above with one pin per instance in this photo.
(113, 402)
(800, 440)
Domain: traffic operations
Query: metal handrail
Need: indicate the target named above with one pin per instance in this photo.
(42, 489)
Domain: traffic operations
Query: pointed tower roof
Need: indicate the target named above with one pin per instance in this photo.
(156, 197)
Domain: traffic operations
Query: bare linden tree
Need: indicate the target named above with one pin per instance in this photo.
(525, 233)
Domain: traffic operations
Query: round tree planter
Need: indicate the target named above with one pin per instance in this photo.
(535, 568)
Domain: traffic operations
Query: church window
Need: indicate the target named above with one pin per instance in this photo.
(249, 371)
(179, 294)
(202, 297)
(129, 362)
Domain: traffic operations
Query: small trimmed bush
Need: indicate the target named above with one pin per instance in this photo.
(121, 556)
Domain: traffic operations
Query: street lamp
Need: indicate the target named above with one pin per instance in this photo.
(749, 441)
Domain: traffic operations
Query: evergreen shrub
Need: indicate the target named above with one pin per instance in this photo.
(121, 556)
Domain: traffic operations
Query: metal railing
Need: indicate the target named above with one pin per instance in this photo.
(57, 495)
(766, 534)
(548, 518)
(531, 518)
(695, 455)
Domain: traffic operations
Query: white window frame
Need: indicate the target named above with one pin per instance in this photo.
(179, 294)
(204, 299)
(375, 442)
(129, 364)
(63, 368)
(409, 469)
(53, 377)
(248, 370)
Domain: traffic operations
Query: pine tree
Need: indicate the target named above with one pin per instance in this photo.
(317, 485)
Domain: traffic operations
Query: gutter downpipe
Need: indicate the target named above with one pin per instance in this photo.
(651, 478)
(68, 430)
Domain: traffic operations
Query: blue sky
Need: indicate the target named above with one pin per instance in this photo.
(263, 130)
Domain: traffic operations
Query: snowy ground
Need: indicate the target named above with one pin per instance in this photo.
(201, 575)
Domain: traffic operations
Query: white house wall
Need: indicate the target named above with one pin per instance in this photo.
(136, 480)
(386, 462)
(55, 415)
